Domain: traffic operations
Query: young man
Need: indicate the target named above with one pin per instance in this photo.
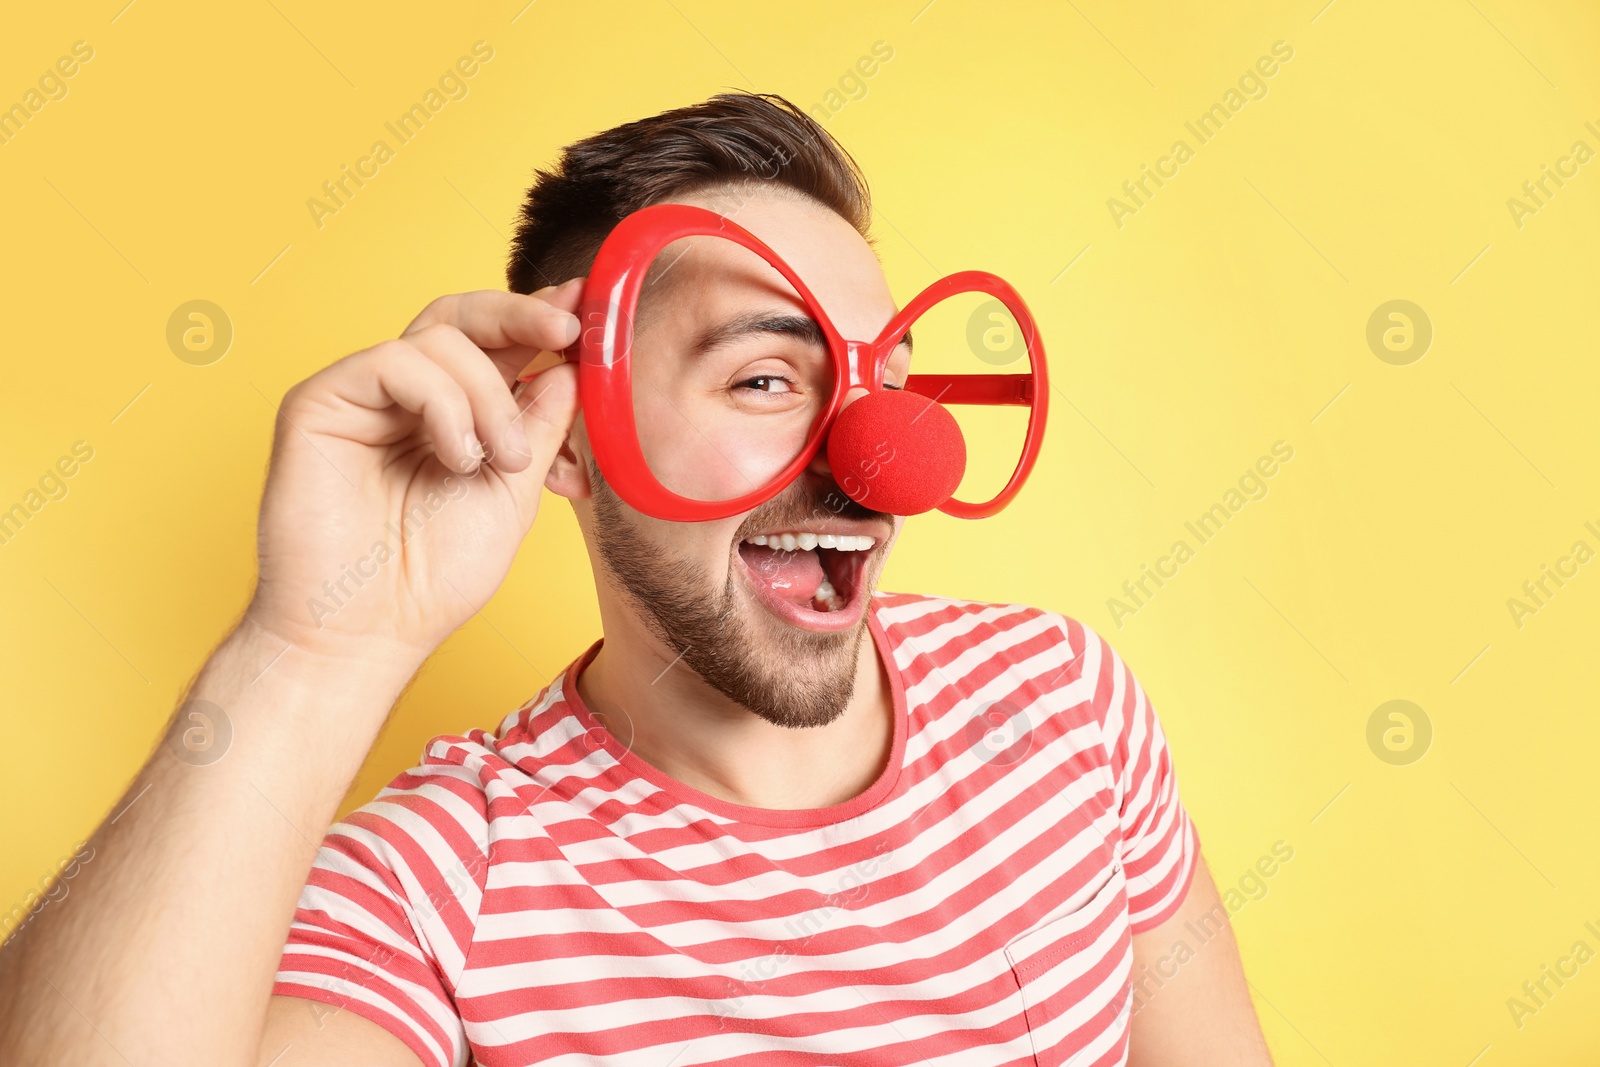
(738, 829)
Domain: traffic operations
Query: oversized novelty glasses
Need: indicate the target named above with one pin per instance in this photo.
(689, 423)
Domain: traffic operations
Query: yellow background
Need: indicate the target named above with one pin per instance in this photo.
(1228, 313)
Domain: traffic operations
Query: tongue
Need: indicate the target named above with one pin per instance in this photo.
(792, 575)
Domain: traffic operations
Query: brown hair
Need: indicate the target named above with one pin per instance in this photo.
(729, 140)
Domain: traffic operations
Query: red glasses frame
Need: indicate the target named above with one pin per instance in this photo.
(605, 377)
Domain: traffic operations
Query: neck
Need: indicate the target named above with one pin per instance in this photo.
(694, 734)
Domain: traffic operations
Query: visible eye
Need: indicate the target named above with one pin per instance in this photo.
(891, 385)
(769, 383)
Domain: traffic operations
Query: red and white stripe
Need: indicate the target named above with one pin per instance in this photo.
(540, 895)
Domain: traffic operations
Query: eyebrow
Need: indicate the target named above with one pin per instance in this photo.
(731, 330)
(800, 327)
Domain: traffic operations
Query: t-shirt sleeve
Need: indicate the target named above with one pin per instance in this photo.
(385, 920)
(1159, 842)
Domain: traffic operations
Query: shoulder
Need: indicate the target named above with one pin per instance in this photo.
(925, 624)
(442, 812)
(947, 628)
(1051, 657)
(422, 839)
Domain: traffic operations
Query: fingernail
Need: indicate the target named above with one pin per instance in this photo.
(569, 328)
(519, 440)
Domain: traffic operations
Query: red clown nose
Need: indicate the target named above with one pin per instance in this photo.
(897, 452)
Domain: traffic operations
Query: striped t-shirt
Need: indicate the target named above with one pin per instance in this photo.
(542, 895)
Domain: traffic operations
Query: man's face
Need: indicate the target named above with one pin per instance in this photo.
(727, 380)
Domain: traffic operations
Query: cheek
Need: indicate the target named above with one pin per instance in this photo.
(695, 449)
(680, 554)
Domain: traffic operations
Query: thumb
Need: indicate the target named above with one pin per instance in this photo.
(549, 407)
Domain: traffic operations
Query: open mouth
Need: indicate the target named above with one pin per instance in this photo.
(810, 579)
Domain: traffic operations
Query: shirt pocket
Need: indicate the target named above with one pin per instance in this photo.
(1073, 973)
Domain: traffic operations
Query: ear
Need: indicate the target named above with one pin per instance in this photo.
(569, 470)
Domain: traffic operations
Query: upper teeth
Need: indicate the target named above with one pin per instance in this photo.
(807, 541)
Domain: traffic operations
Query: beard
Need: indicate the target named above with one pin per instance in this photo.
(789, 676)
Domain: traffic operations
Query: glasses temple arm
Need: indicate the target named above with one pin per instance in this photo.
(992, 389)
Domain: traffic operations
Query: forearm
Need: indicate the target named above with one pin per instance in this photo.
(165, 950)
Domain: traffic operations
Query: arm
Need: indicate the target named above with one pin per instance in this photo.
(167, 946)
(166, 950)
(1191, 1004)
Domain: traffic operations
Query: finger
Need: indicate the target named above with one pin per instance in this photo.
(549, 409)
(395, 374)
(564, 296)
(494, 411)
(498, 320)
